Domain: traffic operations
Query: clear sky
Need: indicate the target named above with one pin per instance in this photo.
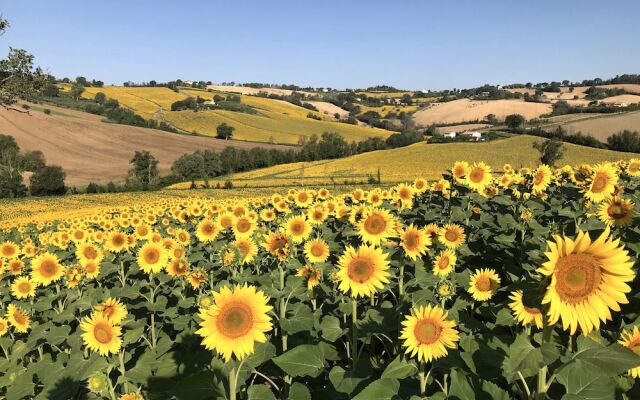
(342, 44)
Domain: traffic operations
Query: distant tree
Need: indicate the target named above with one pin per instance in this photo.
(224, 131)
(625, 141)
(550, 150)
(81, 80)
(97, 83)
(153, 83)
(76, 90)
(51, 90)
(561, 108)
(406, 99)
(10, 168)
(514, 122)
(189, 167)
(100, 98)
(491, 118)
(48, 181)
(33, 161)
(144, 168)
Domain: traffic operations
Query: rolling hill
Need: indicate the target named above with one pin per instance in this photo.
(418, 160)
(93, 151)
(277, 121)
(465, 110)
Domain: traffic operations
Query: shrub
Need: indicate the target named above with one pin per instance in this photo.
(48, 181)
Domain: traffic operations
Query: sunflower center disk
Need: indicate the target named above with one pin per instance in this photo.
(411, 240)
(102, 332)
(617, 211)
(599, 183)
(578, 277)
(20, 318)
(375, 225)
(476, 175)
(451, 236)
(317, 250)
(235, 320)
(427, 331)
(244, 226)
(24, 287)
(444, 262)
(483, 284)
(48, 268)
(152, 256)
(360, 270)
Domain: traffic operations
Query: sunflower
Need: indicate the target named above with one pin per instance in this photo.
(404, 194)
(420, 185)
(116, 242)
(479, 175)
(152, 257)
(22, 288)
(243, 227)
(182, 236)
(541, 178)
(101, 335)
(631, 340)
(268, 214)
(113, 310)
(237, 319)
(4, 326)
(46, 269)
(18, 319)
(428, 333)
(602, 183)
(363, 271)
(460, 170)
(131, 396)
(9, 250)
(88, 252)
(376, 225)
(277, 245)
(444, 263)
(633, 168)
(247, 250)
(97, 383)
(313, 275)
(451, 235)
(298, 228)
(445, 290)
(177, 267)
(197, 277)
(91, 269)
(588, 279)
(414, 241)
(523, 314)
(303, 199)
(484, 284)
(316, 250)
(616, 211)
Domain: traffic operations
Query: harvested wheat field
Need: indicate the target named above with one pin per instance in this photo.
(464, 110)
(94, 151)
(254, 91)
(460, 128)
(623, 98)
(606, 125)
(629, 87)
(329, 108)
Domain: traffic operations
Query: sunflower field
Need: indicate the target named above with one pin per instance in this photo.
(511, 284)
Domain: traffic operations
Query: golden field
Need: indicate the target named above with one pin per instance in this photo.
(465, 110)
(276, 122)
(407, 163)
(605, 125)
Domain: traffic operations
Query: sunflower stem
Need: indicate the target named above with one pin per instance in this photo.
(233, 383)
(541, 393)
(423, 379)
(354, 330)
(123, 371)
(401, 282)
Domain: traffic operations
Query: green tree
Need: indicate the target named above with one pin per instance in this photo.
(625, 141)
(550, 151)
(100, 98)
(48, 181)
(514, 122)
(18, 77)
(224, 131)
(144, 168)
(189, 167)
(76, 90)
(51, 90)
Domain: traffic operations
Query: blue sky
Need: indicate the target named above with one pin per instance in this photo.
(340, 44)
